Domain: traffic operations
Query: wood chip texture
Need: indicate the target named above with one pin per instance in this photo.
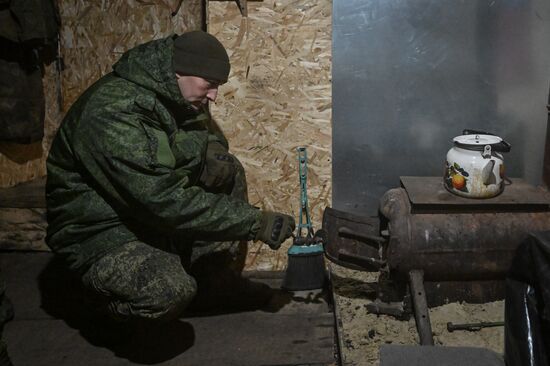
(94, 34)
(278, 98)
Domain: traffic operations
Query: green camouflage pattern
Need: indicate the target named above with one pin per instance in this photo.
(125, 163)
(137, 281)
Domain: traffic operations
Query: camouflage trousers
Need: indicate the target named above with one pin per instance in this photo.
(138, 281)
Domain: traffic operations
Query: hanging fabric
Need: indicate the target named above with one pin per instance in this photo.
(28, 32)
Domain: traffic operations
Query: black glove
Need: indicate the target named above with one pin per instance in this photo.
(219, 169)
(275, 227)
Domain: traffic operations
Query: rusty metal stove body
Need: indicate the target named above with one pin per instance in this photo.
(455, 248)
(458, 239)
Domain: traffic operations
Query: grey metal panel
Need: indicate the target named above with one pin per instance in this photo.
(410, 75)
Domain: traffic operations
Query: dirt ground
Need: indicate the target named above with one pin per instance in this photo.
(362, 333)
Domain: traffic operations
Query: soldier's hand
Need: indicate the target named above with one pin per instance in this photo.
(219, 169)
(275, 228)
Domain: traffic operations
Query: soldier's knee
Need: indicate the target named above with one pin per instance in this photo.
(138, 281)
(172, 297)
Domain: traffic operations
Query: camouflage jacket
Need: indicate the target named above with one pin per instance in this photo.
(125, 164)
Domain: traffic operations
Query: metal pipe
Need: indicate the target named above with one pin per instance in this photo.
(473, 327)
(420, 305)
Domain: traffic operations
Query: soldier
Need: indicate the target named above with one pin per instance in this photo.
(142, 191)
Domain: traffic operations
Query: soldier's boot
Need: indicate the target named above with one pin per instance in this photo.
(236, 294)
(221, 287)
(101, 330)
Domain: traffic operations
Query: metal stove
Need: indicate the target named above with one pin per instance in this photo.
(432, 247)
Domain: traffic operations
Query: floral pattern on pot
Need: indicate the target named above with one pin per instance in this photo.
(456, 177)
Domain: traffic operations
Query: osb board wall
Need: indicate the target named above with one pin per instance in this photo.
(278, 98)
(94, 34)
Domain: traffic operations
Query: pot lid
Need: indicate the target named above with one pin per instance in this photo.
(477, 140)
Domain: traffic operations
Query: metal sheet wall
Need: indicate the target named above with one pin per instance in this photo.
(408, 76)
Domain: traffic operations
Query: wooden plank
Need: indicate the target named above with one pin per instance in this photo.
(26, 195)
(23, 229)
(50, 328)
(338, 322)
(397, 355)
(240, 339)
(23, 216)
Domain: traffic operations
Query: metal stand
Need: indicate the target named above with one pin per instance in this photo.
(420, 305)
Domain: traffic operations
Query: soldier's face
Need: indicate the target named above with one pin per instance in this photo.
(196, 90)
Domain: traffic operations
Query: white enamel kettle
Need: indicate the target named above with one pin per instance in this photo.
(475, 166)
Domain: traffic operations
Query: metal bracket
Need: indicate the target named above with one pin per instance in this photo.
(243, 7)
(178, 7)
(486, 152)
(242, 4)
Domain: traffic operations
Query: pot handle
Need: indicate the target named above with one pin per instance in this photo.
(502, 146)
(467, 131)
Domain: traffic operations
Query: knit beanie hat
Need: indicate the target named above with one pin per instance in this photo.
(198, 53)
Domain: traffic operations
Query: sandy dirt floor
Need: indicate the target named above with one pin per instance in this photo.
(361, 333)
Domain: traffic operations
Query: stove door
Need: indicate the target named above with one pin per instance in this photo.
(352, 241)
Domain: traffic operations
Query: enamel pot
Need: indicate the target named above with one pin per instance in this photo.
(475, 166)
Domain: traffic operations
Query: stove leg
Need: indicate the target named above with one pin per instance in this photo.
(420, 305)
